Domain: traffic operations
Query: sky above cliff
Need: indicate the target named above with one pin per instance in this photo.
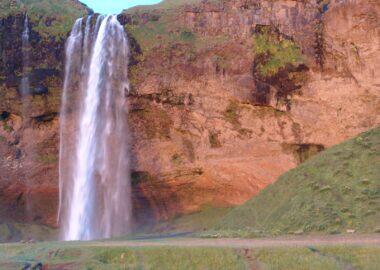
(115, 6)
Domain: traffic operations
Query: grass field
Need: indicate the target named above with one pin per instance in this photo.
(65, 256)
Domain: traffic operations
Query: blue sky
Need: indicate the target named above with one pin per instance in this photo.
(115, 6)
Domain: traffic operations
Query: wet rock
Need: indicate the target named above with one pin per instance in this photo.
(37, 266)
(41, 90)
(26, 266)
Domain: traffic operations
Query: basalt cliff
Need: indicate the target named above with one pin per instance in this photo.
(225, 97)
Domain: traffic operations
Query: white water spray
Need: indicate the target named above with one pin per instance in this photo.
(24, 89)
(94, 164)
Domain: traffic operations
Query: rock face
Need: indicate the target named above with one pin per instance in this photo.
(29, 145)
(29, 130)
(225, 97)
(202, 135)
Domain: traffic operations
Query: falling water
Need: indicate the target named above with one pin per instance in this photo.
(24, 89)
(94, 163)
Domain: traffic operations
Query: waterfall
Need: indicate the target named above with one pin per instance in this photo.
(95, 199)
(24, 89)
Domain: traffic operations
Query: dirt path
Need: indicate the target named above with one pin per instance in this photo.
(292, 241)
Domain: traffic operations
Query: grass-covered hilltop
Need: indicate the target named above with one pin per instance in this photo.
(337, 191)
(52, 18)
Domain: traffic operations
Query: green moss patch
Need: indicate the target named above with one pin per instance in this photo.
(274, 52)
(231, 114)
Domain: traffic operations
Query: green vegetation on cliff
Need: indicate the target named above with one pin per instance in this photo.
(163, 5)
(275, 53)
(335, 191)
(160, 26)
(49, 17)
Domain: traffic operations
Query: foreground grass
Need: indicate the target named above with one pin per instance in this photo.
(69, 256)
(77, 256)
(335, 191)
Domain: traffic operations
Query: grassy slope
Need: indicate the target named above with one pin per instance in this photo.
(166, 30)
(73, 256)
(337, 190)
(164, 5)
(14, 232)
(50, 17)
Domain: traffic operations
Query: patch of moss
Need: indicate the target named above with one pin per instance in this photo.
(48, 159)
(231, 114)
(274, 52)
(213, 138)
(9, 7)
(7, 127)
(176, 159)
(138, 177)
(187, 36)
(303, 152)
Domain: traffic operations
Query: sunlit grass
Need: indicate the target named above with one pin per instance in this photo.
(335, 191)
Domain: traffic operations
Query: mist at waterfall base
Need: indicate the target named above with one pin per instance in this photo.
(95, 199)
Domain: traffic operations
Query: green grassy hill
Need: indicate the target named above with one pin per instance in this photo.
(163, 5)
(335, 191)
(51, 17)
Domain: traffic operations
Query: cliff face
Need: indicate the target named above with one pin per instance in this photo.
(29, 130)
(220, 112)
(226, 96)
